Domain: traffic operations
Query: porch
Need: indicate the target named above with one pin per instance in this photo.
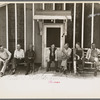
(21, 23)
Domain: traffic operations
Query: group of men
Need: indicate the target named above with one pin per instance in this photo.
(52, 56)
(29, 56)
(19, 57)
(91, 55)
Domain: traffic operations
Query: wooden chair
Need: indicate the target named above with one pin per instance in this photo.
(90, 65)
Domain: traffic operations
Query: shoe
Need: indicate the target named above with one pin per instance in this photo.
(65, 72)
(57, 70)
(31, 71)
(95, 73)
(26, 73)
(13, 72)
(48, 69)
(1, 74)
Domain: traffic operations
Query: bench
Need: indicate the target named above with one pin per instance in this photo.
(86, 62)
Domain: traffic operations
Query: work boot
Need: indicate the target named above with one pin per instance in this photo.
(1, 74)
(13, 72)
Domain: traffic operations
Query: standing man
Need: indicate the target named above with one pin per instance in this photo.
(18, 57)
(29, 59)
(5, 56)
(66, 54)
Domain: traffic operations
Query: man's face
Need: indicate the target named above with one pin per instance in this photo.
(18, 47)
(1, 49)
(93, 46)
(77, 46)
(66, 46)
(31, 47)
(53, 46)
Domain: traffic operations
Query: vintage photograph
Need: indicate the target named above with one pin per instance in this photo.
(50, 49)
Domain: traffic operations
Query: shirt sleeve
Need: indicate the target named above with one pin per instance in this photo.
(23, 54)
(15, 54)
(56, 54)
(47, 54)
(69, 52)
(9, 54)
(98, 50)
(88, 54)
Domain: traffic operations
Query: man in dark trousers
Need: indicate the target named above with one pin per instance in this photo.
(52, 57)
(29, 59)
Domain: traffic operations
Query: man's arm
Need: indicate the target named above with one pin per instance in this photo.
(9, 54)
(15, 54)
(69, 52)
(88, 54)
(98, 50)
(47, 55)
(26, 54)
(23, 54)
(56, 55)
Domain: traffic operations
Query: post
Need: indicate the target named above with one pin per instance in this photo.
(82, 36)
(43, 7)
(64, 6)
(92, 25)
(7, 26)
(74, 23)
(53, 6)
(15, 25)
(33, 23)
(25, 26)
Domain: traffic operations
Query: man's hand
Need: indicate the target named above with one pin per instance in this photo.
(47, 60)
(55, 59)
(78, 57)
(6, 60)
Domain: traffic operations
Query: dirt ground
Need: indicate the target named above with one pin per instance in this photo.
(42, 84)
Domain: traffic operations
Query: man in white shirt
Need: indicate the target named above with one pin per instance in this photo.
(92, 56)
(18, 57)
(5, 56)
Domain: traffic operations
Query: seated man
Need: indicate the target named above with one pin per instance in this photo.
(18, 57)
(66, 54)
(79, 54)
(5, 56)
(29, 59)
(52, 57)
(92, 56)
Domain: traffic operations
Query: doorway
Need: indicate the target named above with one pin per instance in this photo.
(53, 34)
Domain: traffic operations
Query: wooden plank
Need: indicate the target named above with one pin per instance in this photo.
(53, 6)
(25, 26)
(7, 27)
(74, 23)
(92, 25)
(33, 22)
(15, 25)
(60, 13)
(82, 36)
(51, 17)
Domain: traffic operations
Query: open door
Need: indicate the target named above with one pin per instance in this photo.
(53, 34)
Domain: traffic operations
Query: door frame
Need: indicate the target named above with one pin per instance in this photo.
(62, 39)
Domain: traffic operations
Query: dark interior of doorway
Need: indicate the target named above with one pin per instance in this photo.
(53, 36)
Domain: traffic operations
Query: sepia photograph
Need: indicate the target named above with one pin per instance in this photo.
(49, 49)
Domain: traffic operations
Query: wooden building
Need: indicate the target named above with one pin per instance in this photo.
(45, 23)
